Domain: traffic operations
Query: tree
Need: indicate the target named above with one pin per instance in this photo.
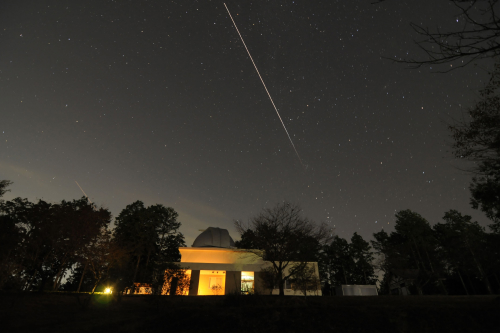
(362, 255)
(151, 238)
(464, 245)
(80, 224)
(101, 256)
(389, 258)
(278, 234)
(419, 240)
(304, 278)
(478, 139)
(476, 37)
(173, 281)
(135, 233)
(37, 231)
(11, 264)
(3, 187)
(169, 239)
(411, 246)
(48, 237)
(268, 278)
(342, 262)
(246, 241)
(337, 263)
(492, 257)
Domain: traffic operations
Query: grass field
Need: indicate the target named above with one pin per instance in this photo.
(32, 312)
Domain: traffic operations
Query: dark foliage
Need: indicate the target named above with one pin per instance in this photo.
(247, 240)
(343, 263)
(41, 242)
(3, 186)
(151, 239)
(411, 246)
(454, 257)
(45, 240)
(477, 138)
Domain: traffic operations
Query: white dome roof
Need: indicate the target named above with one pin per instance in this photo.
(214, 237)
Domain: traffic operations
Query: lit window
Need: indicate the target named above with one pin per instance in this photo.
(247, 282)
(212, 282)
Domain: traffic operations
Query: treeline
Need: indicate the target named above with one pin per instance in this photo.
(344, 263)
(456, 256)
(71, 246)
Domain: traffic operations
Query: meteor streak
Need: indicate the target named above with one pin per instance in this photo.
(84, 193)
(262, 80)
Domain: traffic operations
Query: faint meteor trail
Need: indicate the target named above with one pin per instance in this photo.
(262, 80)
(84, 193)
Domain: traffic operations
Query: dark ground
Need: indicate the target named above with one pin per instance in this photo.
(32, 312)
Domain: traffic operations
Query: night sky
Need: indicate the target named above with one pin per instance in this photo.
(158, 101)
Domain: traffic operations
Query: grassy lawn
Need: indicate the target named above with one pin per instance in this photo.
(31, 312)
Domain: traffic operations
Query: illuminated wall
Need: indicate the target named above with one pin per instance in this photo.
(218, 255)
(234, 270)
(212, 282)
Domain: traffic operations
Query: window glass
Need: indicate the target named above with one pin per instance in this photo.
(247, 282)
(212, 282)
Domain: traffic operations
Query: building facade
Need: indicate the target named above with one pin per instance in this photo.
(216, 267)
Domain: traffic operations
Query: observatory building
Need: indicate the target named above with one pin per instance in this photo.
(216, 267)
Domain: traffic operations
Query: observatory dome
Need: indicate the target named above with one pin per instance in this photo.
(214, 237)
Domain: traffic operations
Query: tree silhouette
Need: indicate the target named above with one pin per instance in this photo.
(150, 236)
(477, 139)
(360, 251)
(464, 245)
(280, 235)
(49, 237)
(477, 36)
(3, 187)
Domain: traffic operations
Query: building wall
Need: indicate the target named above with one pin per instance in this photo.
(218, 255)
(233, 282)
(233, 262)
(260, 286)
(193, 285)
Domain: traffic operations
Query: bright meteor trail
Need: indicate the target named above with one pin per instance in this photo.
(262, 80)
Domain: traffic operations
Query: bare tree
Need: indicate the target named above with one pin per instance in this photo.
(477, 37)
(283, 237)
